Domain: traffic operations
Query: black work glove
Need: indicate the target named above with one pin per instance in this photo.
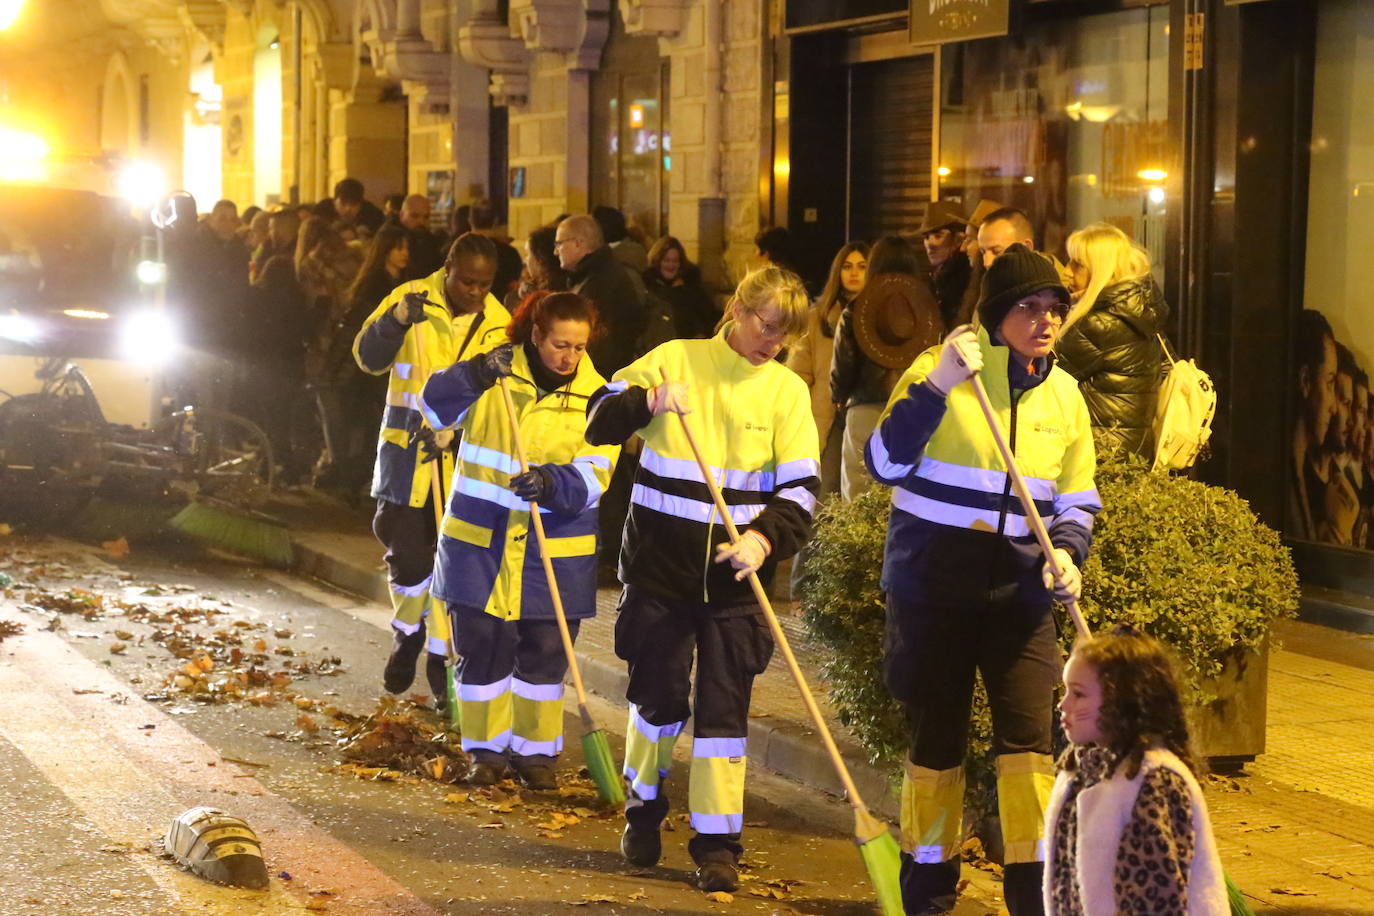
(534, 485)
(411, 308)
(432, 444)
(494, 364)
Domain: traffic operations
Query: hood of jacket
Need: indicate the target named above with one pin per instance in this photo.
(1139, 302)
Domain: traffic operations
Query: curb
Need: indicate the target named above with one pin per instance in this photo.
(786, 748)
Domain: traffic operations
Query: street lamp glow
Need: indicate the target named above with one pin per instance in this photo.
(1152, 174)
(141, 183)
(1156, 195)
(23, 156)
(9, 11)
(150, 273)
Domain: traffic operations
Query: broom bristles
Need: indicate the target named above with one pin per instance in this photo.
(1236, 900)
(883, 860)
(596, 751)
(236, 532)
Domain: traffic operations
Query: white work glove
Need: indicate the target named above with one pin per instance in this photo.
(960, 360)
(668, 396)
(1071, 583)
(747, 554)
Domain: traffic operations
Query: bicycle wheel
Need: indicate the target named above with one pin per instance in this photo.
(227, 456)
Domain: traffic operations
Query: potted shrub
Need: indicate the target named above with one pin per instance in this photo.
(1181, 560)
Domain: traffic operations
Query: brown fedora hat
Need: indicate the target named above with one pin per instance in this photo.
(981, 212)
(942, 214)
(895, 318)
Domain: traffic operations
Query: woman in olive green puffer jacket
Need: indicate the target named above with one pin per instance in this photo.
(1109, 340)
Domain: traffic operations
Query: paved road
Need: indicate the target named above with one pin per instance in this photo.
(99, 749)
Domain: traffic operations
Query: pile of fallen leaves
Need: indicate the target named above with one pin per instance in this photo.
(217, 662)
(399, 738)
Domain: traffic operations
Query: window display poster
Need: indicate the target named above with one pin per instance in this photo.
(1331, 472)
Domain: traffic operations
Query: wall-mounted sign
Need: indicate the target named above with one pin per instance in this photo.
(936, 22)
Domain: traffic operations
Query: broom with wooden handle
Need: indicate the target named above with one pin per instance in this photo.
(1234, 898)
(1037, 525)
(879, 850)
(436, 494)
(596, 751)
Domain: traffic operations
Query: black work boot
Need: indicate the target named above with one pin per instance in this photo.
(487, 769)
(536, 772)
(717, 876)
(929, 888)
(436, 672)
(717, 857)
(641, 843)
(399, 672)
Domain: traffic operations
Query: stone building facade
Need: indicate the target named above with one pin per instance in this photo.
(457, 100)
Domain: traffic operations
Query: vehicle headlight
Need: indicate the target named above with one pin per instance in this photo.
(149, 338)
(18, 327)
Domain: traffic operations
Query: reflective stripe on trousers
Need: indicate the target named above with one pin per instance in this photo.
(648, 756)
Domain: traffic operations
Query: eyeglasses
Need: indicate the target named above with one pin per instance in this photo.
(769, 328)
(559, 243)
(1034, 311)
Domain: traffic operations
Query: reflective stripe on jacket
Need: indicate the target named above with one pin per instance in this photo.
(956, 480)
(757, 435)
(384, 344)
(488, 556)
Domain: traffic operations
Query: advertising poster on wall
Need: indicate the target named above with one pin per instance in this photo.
(1331, 474)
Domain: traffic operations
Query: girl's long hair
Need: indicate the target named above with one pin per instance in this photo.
(312, 233)
(893, 254)
(688, 273)
(549, 274)
(834, 289)
(542, 308)
(1110, 257)
(388, 239)
(1142, 702)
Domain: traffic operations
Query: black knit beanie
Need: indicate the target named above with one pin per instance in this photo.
(1015, 274)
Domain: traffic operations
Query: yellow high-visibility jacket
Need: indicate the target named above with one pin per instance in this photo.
(488, 554)
(757, 435)
(384, 344)
(955, 520)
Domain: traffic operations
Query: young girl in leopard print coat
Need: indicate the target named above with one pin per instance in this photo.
(1127, 827)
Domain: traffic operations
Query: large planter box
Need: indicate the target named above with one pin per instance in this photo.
(1229, 732)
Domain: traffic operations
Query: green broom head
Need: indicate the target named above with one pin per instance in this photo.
(883, 859)
(597, 752)
(248, 534)
(453, 717)
(1237, 900)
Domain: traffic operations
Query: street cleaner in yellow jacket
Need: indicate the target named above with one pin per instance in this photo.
(489, 571)
(421, 326)
(685, 585)
(967, 587)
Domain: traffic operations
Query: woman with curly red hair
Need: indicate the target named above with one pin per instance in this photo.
(489, 570)
(1127, 826)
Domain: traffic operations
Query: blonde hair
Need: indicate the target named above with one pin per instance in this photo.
(1110, 257)
(772, 285)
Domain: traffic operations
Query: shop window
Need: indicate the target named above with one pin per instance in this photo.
(631, 152)
(1067, 121)
(1331, 472)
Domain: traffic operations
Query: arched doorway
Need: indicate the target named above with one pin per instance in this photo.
(118, 108)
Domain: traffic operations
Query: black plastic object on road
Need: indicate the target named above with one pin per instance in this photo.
(218, 847)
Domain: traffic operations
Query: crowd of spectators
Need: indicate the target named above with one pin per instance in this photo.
(272, 300)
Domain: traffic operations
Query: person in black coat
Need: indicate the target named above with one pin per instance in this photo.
(595, 273)
(1109, 340)
(677, 281)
